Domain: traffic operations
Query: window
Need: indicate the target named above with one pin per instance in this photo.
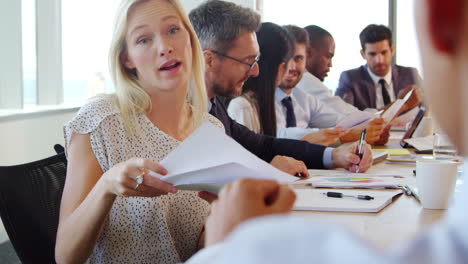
(29, 51)
(343, 19)
(86, 35)
(406, 45)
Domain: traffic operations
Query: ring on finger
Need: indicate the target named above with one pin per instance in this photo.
(139, 179)
(136, 187)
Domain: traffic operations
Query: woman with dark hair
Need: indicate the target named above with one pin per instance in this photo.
(255, 109)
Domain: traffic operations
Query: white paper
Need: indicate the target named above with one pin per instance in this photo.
(208, 159)
(421, 143)
(354, 119)
(315, 200)
(393, 110)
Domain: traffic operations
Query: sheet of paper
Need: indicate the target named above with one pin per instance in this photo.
(379, 155)
(354, 119)
(390, 113)
(209, 157)
(421, 143)
(315, 200)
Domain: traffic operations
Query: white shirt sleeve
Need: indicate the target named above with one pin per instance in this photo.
(321, 115)
(241, 110)
(294, 132)
(313, 86)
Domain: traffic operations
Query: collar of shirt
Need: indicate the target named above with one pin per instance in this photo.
(210, 103)
(376, 79)
(280, 95)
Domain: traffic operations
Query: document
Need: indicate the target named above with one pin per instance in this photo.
(390, 113)
(355, 119)
(315, 200)
(208, 159)
(421, 143)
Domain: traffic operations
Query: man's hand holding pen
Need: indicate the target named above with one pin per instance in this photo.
(347, 157)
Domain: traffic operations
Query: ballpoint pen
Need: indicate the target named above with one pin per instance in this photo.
(341, 195)
(360, 147)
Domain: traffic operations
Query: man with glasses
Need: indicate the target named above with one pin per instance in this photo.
(227, 35)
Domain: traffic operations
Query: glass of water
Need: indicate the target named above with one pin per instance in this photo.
(443, 148)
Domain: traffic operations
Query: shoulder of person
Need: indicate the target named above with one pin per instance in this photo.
(300, 93)
(94, 112)
(240, 102)
(400, 68)
(215, 121)
(352, 73)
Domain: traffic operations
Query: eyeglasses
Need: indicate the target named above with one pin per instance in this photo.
(251, 65)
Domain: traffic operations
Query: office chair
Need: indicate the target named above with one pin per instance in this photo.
(30, 196)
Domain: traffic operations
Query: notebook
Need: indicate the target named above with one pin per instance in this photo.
(354, 180)
(315, 200)
(395, 152)
(379, 155)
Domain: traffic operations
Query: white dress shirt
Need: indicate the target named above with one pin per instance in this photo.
(310, 114)
(245, 113)
(294, 239)
(379, 103)
(313, 86)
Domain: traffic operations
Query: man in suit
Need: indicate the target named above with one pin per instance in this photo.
(379, 82)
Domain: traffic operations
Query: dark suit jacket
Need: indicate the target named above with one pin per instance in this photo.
(266, 147)
(357, 88)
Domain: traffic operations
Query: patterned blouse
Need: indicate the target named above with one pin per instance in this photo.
(163, 229)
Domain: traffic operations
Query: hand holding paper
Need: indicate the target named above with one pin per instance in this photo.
(208, 159)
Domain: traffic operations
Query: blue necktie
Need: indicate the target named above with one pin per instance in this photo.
(290, 117)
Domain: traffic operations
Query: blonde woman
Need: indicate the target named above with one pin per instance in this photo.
(112, 211)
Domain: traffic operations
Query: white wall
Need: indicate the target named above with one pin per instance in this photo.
(32, 138)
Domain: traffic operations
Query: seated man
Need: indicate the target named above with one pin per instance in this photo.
(293, 239)
(227, 35)
(308, 112)
(379, 82)
(320, 53)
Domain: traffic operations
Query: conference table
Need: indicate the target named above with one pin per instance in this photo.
(400, 221)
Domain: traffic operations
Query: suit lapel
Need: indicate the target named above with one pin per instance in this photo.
(396, 87)
(369, 85)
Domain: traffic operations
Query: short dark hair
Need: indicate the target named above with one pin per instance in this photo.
(374, 33)
(297, 34)
(316, 35)
(218, 23)
(276, 47)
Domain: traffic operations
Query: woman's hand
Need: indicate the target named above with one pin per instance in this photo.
(130, 178)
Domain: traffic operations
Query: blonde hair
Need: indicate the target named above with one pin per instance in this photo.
(131, 98)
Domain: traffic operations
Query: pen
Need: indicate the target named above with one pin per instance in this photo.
(340, 195)
(360, 148)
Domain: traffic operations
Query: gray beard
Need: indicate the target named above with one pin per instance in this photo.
(219, 91)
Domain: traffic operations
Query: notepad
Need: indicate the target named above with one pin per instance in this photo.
(378, 156)
(354, 180)
(315, 200)
(395, 152)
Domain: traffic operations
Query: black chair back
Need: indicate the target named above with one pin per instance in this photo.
(30, 196)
